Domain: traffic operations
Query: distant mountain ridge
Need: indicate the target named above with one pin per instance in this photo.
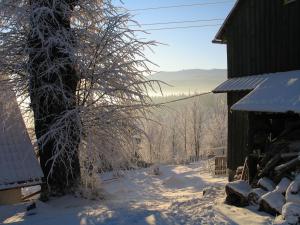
(189, 81)
(191, 74)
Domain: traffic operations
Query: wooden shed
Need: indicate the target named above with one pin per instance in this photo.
(263, 86)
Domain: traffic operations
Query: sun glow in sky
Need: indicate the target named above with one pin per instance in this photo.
(184, 48)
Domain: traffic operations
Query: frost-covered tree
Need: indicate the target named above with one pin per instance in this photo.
(197, 122)
(79, 68)
(217, 124)
(187, 130)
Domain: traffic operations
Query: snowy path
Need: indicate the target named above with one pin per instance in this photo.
(174, 197)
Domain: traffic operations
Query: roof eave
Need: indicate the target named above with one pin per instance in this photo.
(230, 91)
(219, 38)
(219, 41)
(22, 184)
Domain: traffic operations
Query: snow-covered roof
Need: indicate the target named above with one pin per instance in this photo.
(279, 92)
(18, 163)
(275, 92)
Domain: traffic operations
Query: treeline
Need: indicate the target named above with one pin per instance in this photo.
(185, 131)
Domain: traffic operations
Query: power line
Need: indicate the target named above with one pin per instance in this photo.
(185, 98)
(180, 6)
(183, 27)
(176, 22)
(167, 102)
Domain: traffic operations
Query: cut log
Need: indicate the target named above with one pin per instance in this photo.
(237, 193)
(295, 146)
(293, 192)
(291, 213)
(272, 203)
(283, 185)
(266, 184)
(273, 150)
(289, 155)
(270, 165)
(290, 165)
(255, 195)
(291, 131)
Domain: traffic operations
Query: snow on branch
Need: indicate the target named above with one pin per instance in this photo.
(109, 63)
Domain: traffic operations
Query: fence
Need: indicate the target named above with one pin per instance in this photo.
(218, 162)
(220, 165)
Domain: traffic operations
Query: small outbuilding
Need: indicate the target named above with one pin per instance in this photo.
(19, 166)
(263, 86)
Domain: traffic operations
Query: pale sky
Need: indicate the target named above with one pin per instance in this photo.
(186, 48)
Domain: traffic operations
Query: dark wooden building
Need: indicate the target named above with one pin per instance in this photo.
(263, 50)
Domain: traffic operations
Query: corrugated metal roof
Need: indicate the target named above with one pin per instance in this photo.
(278, 93)
(240, 84)
(18, 163)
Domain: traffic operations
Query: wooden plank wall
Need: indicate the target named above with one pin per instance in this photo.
(238, 130)
(263, 36)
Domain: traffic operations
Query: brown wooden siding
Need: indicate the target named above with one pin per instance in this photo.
(263, 37)
(238, 130)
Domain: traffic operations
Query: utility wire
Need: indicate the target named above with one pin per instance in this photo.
(183, 99)
(183, 27)
(180, 6)
(176, 22)
(165, 103)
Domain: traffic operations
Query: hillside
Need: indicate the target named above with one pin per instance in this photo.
(189, 81)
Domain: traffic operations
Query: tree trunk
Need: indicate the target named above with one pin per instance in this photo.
(49, 105)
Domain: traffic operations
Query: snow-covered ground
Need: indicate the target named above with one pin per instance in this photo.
(140, 197)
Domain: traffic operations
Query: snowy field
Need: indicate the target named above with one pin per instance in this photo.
(140, 197)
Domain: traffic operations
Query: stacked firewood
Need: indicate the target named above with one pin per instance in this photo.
(275, 188)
